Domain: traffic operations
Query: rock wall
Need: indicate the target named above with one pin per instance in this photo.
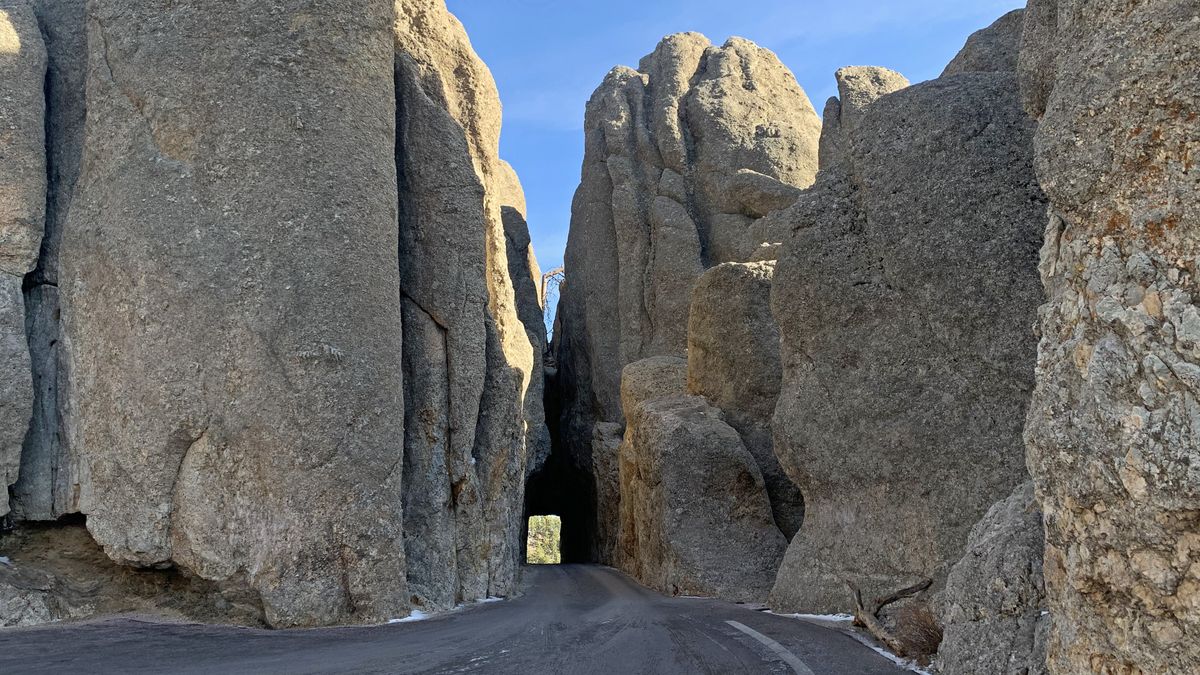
(904, 307)
(683, 157)
(695, 517)
(1112, 432)
(22, 219)
(470, 355)
(293, 346)
(234, 379)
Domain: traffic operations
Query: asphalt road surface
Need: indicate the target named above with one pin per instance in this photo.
(571, 619)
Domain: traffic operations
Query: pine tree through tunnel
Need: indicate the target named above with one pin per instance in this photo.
(543, 544)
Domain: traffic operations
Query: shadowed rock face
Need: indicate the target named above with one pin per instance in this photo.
(262, 281)
(1112, 433)
(904, 308)
(50, 473)
(22, 218)
(683, 158)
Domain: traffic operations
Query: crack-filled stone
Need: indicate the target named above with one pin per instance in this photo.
(1113, 426)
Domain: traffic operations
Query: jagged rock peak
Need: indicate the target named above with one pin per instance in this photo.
(685, 159)
(994, 49)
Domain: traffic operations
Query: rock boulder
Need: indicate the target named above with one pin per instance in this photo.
(695, 516)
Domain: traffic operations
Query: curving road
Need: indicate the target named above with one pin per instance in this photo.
(571, 619)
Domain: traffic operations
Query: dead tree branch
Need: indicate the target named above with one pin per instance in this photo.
(867, 615)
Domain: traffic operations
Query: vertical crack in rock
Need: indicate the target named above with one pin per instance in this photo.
(49, 483)
(23, 63)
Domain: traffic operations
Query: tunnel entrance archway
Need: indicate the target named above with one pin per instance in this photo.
(564, 490)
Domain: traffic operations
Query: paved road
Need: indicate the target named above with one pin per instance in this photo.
(572, 619)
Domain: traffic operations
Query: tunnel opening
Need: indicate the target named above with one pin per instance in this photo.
(567, 492)
(565, 486)
(543, 540)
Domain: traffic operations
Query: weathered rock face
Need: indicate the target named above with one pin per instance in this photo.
(1112, 433)
(904, 308)
(993, 607)
(695, 517)
(232, 318)
(733, 361)
(472, 339)
(59, 574)
(526, 277)
(682, 158)
(16, 387)
(22, 218)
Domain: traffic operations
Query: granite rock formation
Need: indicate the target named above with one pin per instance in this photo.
(695, 517)
(233, 380)
(293, 346)
(993, 608)
(469, 361)
(994, 49)
(904, 308)
(683, 158)
(1113, 426)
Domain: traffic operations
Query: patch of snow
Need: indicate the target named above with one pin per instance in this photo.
(903, 663)
(417, 615)
(832, 618)
(5, 561)
(867, 642)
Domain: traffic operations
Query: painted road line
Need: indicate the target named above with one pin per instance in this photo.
(782, 652)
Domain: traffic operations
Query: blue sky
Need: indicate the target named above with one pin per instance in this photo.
(549, 55)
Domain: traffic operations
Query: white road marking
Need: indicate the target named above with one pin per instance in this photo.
(781, 651)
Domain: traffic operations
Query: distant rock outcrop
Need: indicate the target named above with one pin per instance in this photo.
(904, 301)
(695, 517)
(1114, 425)
(683, 158)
